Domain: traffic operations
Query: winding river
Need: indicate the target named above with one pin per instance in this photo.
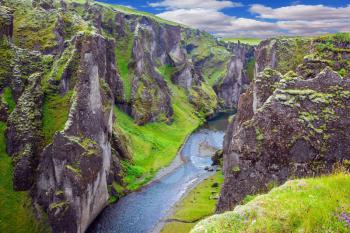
(145, 211)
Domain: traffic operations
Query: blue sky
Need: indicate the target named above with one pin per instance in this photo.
(252, 18)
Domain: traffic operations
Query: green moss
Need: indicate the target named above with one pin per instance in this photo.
(259, 134)
(342, 72)
(74, 169)
(16, 214)
(308, 205)
(55, 114)
(196, 205)
(236, 169)
(7, 98)
(6, 54)
(58, 205)
(29, 20)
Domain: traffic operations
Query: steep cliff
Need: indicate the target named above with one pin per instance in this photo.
(289, 124)
(93, 94)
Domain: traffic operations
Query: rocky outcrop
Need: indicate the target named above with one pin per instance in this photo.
(6, 22)
(291, 125)
(23, 134)
(72, 178)
(236, 77)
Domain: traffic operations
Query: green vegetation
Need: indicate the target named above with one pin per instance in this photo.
(251, 69)
(123, 53)
(55, 114)
(154, 145)
(206, 50)
(243, 40)
(16, 214)
(7, 98)
(196, 205)
(6, 55)
(307, 205)
(29, 20)
(128, 10)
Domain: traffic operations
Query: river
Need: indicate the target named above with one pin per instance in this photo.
(145, 210)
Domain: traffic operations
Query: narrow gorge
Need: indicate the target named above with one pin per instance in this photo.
(109, 117)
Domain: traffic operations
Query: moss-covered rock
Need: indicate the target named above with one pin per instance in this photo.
(300, 130)
(24, 133)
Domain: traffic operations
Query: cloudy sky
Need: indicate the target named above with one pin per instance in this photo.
(252, 18)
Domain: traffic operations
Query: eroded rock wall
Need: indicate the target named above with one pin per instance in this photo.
(72, 181)
(289, 124)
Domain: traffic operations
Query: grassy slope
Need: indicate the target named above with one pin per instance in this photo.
(250, 41)
(155, 145)
(128, 10)
(197, 204)
(307, 205)
(15, 211)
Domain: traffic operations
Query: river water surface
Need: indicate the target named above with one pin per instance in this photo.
(144, 211)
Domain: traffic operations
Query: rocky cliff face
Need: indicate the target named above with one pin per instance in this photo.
(66, 67)
(289, 124)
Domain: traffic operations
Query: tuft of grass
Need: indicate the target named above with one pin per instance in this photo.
(308, 205)
(244, 40)
(199, 203)
(16, 213)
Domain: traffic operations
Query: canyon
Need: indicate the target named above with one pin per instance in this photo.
(96, 99)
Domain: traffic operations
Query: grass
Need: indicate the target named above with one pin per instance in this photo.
(15, 207)
(244, 40)
(55, 114)
(7, 98)
(307, 205)
(198, 204)
(155, 145)
(123, 53)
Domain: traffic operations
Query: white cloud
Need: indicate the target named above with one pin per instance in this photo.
(290, 20)
(192, 4)
(218, 23)
(301, 12)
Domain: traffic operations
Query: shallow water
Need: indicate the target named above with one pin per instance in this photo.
(142, 211)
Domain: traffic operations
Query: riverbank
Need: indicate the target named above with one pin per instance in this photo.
(197, 204)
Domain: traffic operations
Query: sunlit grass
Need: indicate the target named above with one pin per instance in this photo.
(307, 205)
(243, 40)
(15, 207)
(198, 204)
